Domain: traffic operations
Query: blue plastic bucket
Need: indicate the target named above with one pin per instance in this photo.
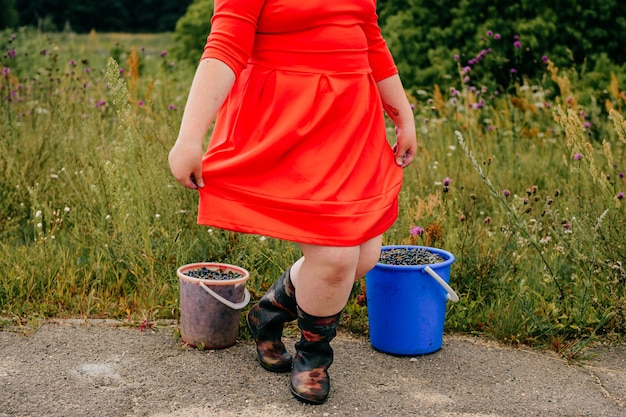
(407, 304)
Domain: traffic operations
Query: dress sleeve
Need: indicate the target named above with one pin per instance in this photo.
(233, 27)
(380, 58)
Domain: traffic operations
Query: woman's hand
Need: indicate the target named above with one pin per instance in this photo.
(185, 161)
(405, 147)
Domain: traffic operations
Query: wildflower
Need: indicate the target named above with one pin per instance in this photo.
(513, 70)
(171, 107)
(141, 103)
(496, 36)
(262, 238)
(11, 53)
(12, 37)
(621, 175)
(163, 53)
(544, 58)
(72, 62)
(557, 192)
(43, 52)
(620, 195)
(416, 231)
(122, 70)
(577, 157)
(66, 209)
(547, 105)
(447, 181)
(466, 79)
(6, 71)
(462, 217)
(489, 33)
(489, 128)
(100, 103)
(587, 125)
(456, 57)
(487, 220)
(38, 213)
(472, 61)
(506, 193)
(517, 44)
(567, 225)
(467, 69)
(87, 70)
(157, 216)
(39, 225)
(545, 240)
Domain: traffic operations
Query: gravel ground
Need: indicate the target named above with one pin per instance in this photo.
(102, 368)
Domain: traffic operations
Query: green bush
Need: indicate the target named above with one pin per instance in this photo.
(192, 30)
(424, 36)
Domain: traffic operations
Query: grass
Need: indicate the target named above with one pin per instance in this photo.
(522, 186)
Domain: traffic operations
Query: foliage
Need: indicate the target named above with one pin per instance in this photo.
(192, 30)
(82, 16)
(8, 14)
(503, 36)
(528, 196)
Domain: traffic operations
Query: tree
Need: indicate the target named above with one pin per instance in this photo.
(8, 14)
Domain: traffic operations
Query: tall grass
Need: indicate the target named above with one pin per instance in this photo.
(525, 187)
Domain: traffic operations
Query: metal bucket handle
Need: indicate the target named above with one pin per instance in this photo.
(451, 295)
(228, 303)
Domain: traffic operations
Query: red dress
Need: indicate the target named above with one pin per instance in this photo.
(299, 149)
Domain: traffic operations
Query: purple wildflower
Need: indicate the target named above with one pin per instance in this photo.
(163, 53)
(447, 181)
(467, 69)
(171, 107)
(620, 195)
(544, 58)
(141, 103)
(496, 36)
(577, 156)
(621, 175)
(517, 44)
(11, 53)
(416, 231)
(513, 70)
(72, 62)
(100, 103)
(587, 125)
(6, 71)
(506, 193)
(489, 33)
(456, 57)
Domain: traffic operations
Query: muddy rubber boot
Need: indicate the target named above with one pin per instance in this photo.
(310, 382)
(265, 322)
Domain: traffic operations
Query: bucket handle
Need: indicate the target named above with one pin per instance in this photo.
(228, 303)
(451, 295)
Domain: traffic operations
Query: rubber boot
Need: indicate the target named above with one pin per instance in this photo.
(265, 322)
(310, 382)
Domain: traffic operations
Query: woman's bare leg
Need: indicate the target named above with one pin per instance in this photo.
(324, 276)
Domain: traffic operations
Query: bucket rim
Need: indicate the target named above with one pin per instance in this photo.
(245, 275)
(449, 257)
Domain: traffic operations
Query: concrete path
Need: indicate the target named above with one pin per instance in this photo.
(100, 368)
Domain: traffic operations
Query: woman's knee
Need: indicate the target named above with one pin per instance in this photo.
(337, 261)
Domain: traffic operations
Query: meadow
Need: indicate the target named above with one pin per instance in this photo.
(524, 185)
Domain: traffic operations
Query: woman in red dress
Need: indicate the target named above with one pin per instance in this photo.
(298, 92)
